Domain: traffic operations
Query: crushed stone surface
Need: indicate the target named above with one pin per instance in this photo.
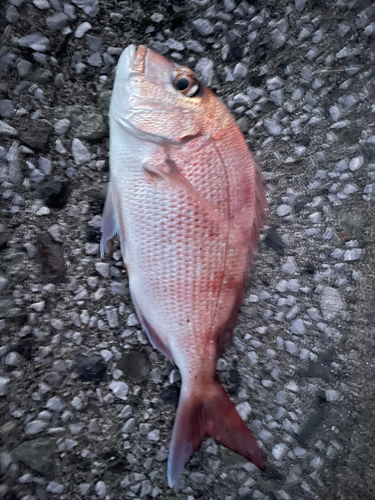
(86, 404)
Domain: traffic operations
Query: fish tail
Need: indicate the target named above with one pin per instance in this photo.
(211, 414)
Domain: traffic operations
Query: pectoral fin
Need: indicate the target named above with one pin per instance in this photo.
(166, 169)
(112, 224)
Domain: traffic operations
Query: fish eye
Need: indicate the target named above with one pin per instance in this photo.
(186, 84)
(182, 84)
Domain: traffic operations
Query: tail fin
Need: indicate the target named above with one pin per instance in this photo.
(214, 415)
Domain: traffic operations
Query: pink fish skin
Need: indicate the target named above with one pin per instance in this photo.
(188, 203)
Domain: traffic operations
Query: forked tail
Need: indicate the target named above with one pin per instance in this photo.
(214, 415)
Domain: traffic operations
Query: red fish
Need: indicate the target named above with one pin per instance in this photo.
(187, 201)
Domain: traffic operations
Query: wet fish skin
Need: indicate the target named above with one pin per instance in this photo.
(187, 202)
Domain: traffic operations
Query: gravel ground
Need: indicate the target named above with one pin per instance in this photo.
(86, 405)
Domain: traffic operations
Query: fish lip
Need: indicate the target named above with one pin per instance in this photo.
(139, 59)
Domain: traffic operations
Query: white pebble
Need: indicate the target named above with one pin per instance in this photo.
(119, 389)
(279, 451)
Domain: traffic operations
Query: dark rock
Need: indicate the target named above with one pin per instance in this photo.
(54, 193)
(36, 137)
(51, 258)
(229, 457)
(104, 100)
(8, 309)
(313, 422)
(234, 380)
(304, 140)
(43, 76)
(310, 268)
(4, 238)
(135, 366)
(96, 200)
(260, 53)
(255, 81)
(87, 122)
(314, 370)
(38, 454)
(170, 395)
(235, 53)
(350, 225)
(25, 347)
(90, 368)
(6, 108)
(272, 473)
(299, 205)
(93, 234)
(273, 241)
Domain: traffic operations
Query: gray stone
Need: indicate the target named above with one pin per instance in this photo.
(91, 248)
(290, 266)
(54, 404)
(154, 435)
(119, 389)
(203, 26)
(146, 488)
(34, 427)
(129, 426)
(279, 451)
(283, 210)
(6, 130)
(273, 127)
(93, 43)
(38, 454)
(278, 38)
(14, 163)
(12, 15)
(6, 108)
(82, 29)
(59, 81)
(87, 122)
(332, 395)
(274, 83)
(112, 318)
(205, 69)
(102, 268)
(54, 487)
(116, 17)
(356, 163)
(84, 488)
(35, 41)
(95, 60)
(108, 60)
(101, 489)
(352, 254)
(297, 327)
(135, 366)
(277, 97)
(43, 76)
(62, 126)
(57, 22)
(240, 71)
(13, 359)
(42, 4)
(90, 7)
(80, 153)
(4, 381)
(194, 46)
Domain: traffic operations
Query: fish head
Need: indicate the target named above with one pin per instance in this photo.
(162, 101)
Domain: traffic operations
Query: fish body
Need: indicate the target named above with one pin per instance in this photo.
(188, 203)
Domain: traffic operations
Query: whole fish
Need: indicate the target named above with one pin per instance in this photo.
(187, 202)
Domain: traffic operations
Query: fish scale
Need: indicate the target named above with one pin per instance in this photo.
(188, 203)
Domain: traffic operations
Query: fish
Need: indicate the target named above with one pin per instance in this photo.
(188, 201)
